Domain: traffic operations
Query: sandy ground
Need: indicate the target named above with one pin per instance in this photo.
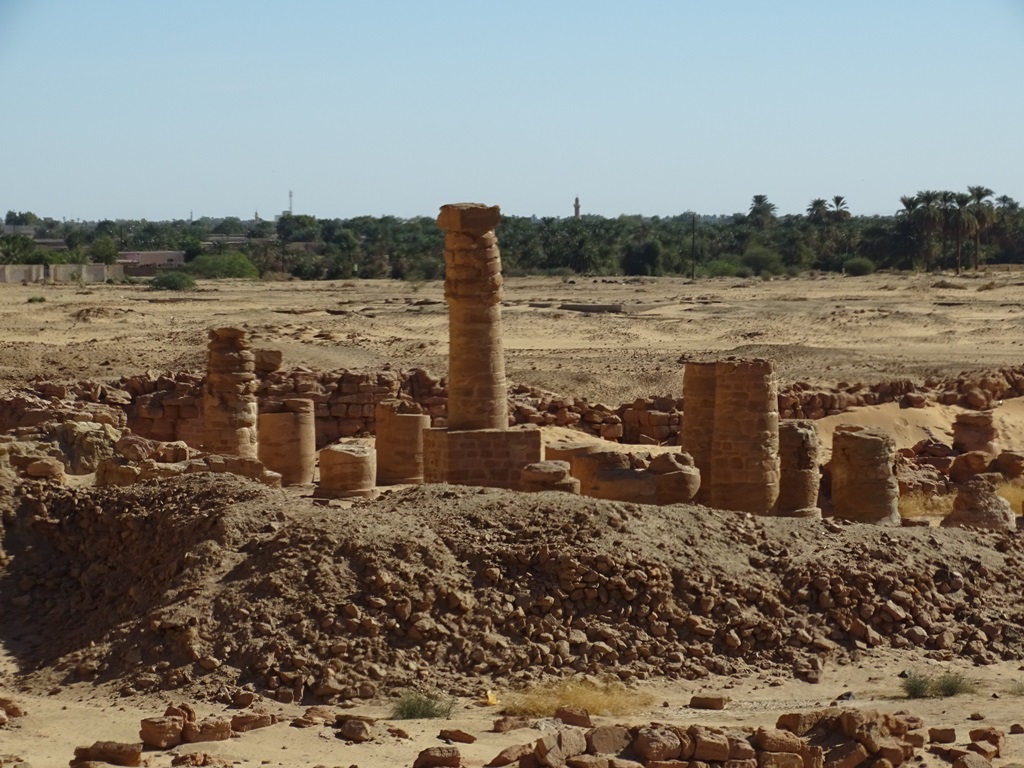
(823, 330)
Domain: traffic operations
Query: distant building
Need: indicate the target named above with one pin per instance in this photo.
(165, 259)
(576, 207)
(28, 230)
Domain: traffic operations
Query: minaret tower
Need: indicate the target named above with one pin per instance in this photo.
(576, 206)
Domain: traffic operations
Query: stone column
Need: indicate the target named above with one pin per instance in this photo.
(800, 475)
(346, 470)
(477, 392)
(745, 444)
(699, 421)
(864, 485)
(288, 441)
(229, 395)
(399, 444)
(976, 431)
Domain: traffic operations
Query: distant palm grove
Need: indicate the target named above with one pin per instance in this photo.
(932, 230)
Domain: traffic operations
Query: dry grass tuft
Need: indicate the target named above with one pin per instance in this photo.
(1013, 492)
(924, 505)
(598, 698)
(989, 286)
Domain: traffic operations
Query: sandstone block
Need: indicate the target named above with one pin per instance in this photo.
(779, 760)
(576, 716)
(510, 755)
(607, 740)
(776, 740)
(847, 755)
(438, 757)
(211, 728)
(708, 702)
(656, 743)
(708, 745)
(113, 752)
(161, 732)
(971, 760)
(250, 721)
(454, 734)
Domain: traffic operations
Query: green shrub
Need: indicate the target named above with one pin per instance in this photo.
(36, 299)
(421, 705)
(719, 268)
(858, 266)
(917, 686)
(213, 266)
(172, 281)
(952, 684)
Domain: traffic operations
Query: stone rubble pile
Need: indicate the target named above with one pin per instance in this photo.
(829, 738)
(470, 586)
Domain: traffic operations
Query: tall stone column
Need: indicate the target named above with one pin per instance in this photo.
(288, 441)
(745, 444)
(229, 395)
(477, 392)
(699, 421)
(864, 484)
(801, 477)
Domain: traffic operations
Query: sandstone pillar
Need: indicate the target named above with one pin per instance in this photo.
(800, 476)
(745, 443)
(864, 484)
(288, 441)
(229, 395)
(699, 421)
(347, 469)
(399, 444)
(477, 392)
(976, 431)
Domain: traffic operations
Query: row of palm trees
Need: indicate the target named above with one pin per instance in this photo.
(951, 215)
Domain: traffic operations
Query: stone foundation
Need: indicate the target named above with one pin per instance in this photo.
(490, 458)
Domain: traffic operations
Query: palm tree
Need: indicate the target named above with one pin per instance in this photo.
(948, 210)
(762, 212)
(984, 216)
(817, 210)
(964, 223)
(840, 210)
(927, 219)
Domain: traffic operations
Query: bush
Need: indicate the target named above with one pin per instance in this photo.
(421, 705)
(858, 266)
(36, 299)
(719, 268)
(952, 684)
(917, 686)
(172, 281)
(213, 266)
(609, 697)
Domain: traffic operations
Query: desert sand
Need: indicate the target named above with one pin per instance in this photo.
(630, 343)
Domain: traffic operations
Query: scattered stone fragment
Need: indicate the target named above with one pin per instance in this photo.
(438, 757)
(210, 728)
(454, 734)
(708, 702)
(576, 716)
(161, 732)
(510, 755)
(113, 752)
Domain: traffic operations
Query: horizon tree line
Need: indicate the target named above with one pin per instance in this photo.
(931, 230)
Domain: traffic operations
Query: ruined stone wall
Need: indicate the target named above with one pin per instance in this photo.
(482, 457)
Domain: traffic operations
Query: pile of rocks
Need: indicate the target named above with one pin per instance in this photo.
(344, 604)
(832, 738)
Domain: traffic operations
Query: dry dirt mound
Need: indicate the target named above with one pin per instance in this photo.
(214, 582)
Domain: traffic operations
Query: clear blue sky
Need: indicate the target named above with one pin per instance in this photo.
(152, 108)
